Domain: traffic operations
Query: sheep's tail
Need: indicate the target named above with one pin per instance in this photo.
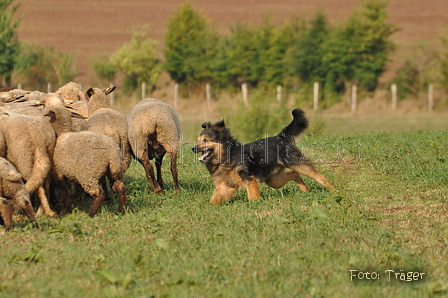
(116, 166)
(39, 173)
(296, 127)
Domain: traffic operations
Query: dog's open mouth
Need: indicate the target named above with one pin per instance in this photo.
(206, 155)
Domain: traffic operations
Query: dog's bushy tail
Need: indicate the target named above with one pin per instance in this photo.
(296, 127)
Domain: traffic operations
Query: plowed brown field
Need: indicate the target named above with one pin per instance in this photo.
(86, 27)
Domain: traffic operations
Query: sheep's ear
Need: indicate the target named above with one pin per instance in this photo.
(76, 115)
(206, 125)
(220, 125)
(52, 116)
(109, 90)
(38, 103)
(81, 95)
(8, 171)
(90, 92)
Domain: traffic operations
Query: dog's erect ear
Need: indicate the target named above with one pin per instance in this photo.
(206, 125)
(219, 126)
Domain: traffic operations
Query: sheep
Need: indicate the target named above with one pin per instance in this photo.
(29, 143)
(87, 158)
(103, 119)
(71, 92)
(154, 129)
(12, 187)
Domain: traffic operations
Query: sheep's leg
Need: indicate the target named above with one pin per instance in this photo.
(104, 186)
(44, 202)
(158, 163)
(98, 198)
(6, 213)
(66, 200)
(146, 163)
(174, 172)
(119, 188)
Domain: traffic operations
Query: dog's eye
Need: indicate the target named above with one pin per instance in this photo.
(205, 140)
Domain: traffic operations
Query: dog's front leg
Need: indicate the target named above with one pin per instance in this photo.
(222, 194)
(253, 189)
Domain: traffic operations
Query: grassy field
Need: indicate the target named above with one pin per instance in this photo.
(389, 213)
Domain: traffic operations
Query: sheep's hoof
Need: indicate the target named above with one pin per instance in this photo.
(158, 190)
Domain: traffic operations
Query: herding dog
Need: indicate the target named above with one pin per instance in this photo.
(233, 165)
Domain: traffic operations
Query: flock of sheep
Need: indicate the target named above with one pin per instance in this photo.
(58, 146)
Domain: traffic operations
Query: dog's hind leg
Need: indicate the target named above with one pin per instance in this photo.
(308, 170)
(280, 178)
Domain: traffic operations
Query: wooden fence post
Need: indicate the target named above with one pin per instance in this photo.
(430, 98)
(48, 87)
(19, 86)
(279, 93)
(143, 90)
(176, 95)
(394, 96)
(112, 95)
(353, 99)
(316, 96)
(208, 94)
(245, 94)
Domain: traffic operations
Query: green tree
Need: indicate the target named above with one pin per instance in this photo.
(360, 51)
(423, 67)
(444, 63)
(64, 65)
(309, 51)
(138, 60)
(191, 46)
(35, 66)
(275, 41)
(104, 69)
(242, 55)
(9, 44)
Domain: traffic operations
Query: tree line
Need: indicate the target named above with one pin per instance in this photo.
(294, 54)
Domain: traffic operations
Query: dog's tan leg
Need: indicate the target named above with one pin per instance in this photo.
(222, 194)
(308, 170)
(282, 177)
(253, 189)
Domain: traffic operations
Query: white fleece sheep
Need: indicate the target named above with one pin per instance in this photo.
(13, 194)
(105, 120)
(154, 129)
(87, 158)
(29, 143)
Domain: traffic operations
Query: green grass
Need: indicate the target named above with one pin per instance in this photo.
(389, 213)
